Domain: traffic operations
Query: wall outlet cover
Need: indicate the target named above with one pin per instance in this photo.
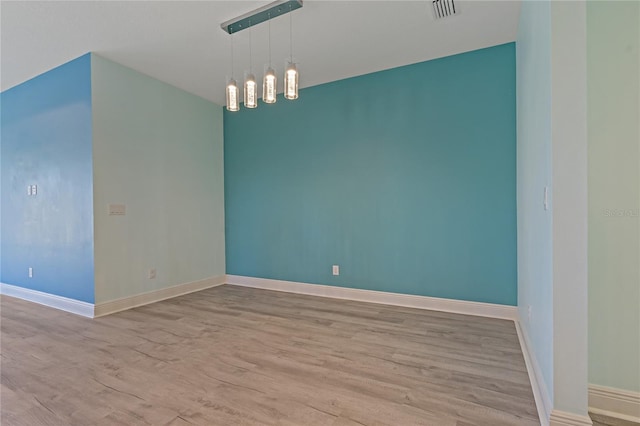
(117, 209)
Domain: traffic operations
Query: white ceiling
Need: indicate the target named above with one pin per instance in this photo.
(181, 43)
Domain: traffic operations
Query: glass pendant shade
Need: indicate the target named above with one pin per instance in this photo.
(291, 82)
(233, 103)
(269, 86)
(250, 91)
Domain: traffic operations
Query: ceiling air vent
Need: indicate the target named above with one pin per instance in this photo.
(443, 9)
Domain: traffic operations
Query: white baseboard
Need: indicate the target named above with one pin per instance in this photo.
(100, 309)
(540, 392)
(561, 418)
(117, 305)
(396, 299)
(612, 402)
(51, 300)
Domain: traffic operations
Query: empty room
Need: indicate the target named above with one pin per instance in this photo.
(313, 212)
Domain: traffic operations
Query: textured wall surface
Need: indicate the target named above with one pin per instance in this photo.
(158, 150)
(46, 141)
(405, 178)
(613, 42)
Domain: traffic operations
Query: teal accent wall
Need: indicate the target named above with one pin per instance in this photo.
(46, 141)
(405, 178)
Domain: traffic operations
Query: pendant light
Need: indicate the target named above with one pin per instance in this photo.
(291, 72)
(250, 85)
(250, 91)
(269, 83)
(233, 103)
(232, 96)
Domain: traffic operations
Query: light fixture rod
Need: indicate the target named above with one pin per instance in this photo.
(250, 52)
(290, 37)
(232, 58)
(260, 15)
(269, 41)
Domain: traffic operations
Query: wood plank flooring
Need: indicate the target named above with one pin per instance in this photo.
(239, 356)
(600, 420)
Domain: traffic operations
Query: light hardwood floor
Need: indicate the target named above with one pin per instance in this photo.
(239, 356)
(600, 420)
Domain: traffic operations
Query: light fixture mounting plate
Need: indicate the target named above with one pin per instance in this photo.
(262, 14)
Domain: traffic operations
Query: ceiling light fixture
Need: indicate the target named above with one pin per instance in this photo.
(269, 88)
(291, 72)
(260, 15)
(250, 85)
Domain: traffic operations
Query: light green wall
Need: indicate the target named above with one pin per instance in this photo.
(552, 243)
(613, 39)
(159, 150)
(535, 236)
(569, 206)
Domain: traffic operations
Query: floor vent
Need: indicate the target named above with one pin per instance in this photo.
(444, 9)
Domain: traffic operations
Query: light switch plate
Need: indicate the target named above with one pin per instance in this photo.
(117, 210)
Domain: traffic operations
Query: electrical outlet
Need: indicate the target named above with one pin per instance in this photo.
(336, 269)
(152, 274)
(30, 272)
(529, 312)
